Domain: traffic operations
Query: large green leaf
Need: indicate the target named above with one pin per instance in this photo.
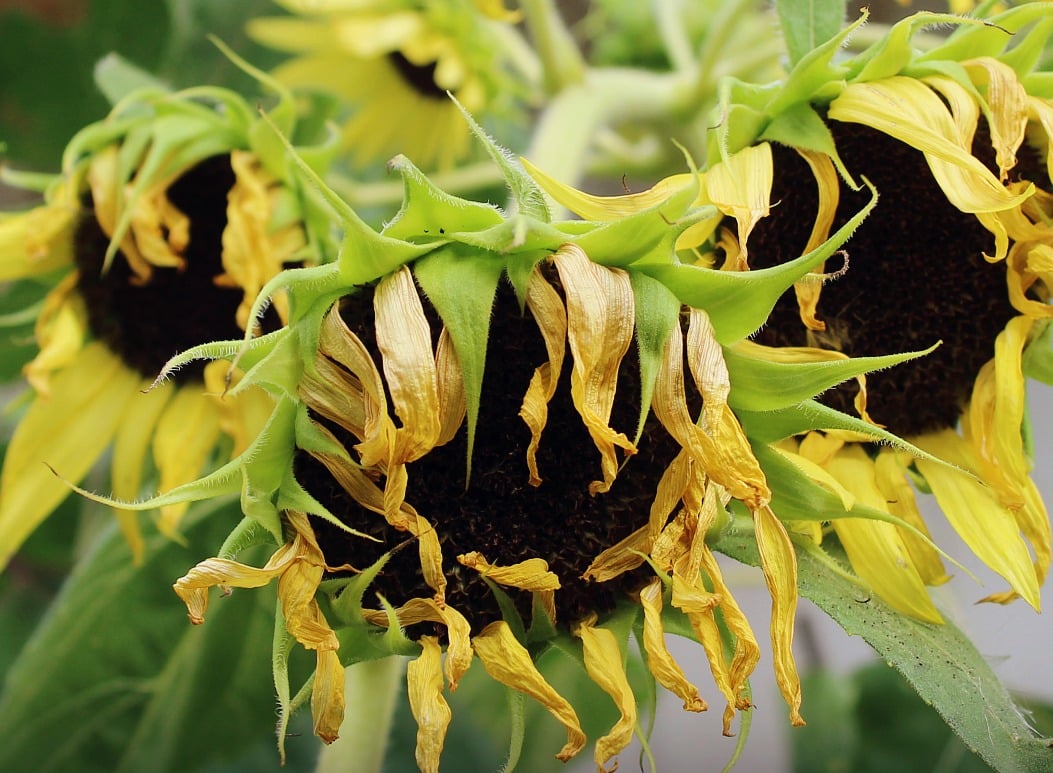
(939, 661)
(116, 678)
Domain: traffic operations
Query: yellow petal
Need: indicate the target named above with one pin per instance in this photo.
(600, 322)
(779, 563)
(660, 662)
(740, 187)
(68, 431)
(186, 434)
(547, 310)
(808, 289)
(603, 662)
(130, 448)
(430, 709)
(241, 415)
(60, 331)
(193, 586)
(1008, 101)
(889, 474)
(983, 523)
(36, 242)
(327, 696)
(452, 406)
(508, 662)
(875, 548)
(531, 574)
(723, 451)
(253, 252)
(911, 112)
(603, 208)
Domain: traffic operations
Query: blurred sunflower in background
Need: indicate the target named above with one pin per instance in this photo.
(168, 218)
(956, 140)
(388, 58)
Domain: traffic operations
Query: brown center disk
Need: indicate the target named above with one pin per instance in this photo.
(177, 309)
(916, 276)
(500, 514)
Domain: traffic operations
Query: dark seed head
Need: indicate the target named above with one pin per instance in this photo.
(145, 324)
(916, 276)
(500, 514)
(420, 77)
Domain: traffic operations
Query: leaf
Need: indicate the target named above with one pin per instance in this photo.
(939, 661)
(807, 24)
(115, 677)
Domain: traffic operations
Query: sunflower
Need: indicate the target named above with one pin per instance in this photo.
(168, 217)
(519, 434)
(398, 59)
(956, 141)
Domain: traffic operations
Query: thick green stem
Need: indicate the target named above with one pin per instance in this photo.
(566, 129)
(370, 692)
(561, 61)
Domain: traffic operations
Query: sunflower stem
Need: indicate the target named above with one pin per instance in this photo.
(371, 690)
(566, 129)
(561, 60)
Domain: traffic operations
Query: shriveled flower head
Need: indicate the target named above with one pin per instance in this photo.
(392, 62)
(956, 141)
(519, 433)
(168, 218)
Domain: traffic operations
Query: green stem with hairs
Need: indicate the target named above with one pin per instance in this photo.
(371, 689)
(561, 61)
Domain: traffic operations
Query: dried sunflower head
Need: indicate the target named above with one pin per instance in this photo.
(956, 140)
(494, 432)
(168, 218)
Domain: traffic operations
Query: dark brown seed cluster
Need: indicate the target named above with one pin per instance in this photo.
(421, 77)
(916, 276)
(145, 324)
(499, 513)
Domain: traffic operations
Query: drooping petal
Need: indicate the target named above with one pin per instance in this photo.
(508, 662)
(603, 662)
(547, 309)
(327, 695)
(983, 523)
(876, 548)
(186, 434)
(808, 289)
(909, 111)
(430, 709)
(600, 322)
(60, 330)
(660, 662)
(1007, 98)
(130, 447)
(67, 431)
(36, 242)
(740, 187)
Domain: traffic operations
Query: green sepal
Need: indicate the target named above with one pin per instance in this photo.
(986, 37)
(347, 605)
(1038, 355)
(247, 534)
(739, 302)
(542, 627)
(116, 78)
(527, 199)
(429, 214)
(281, 649)
(893, 51)
(657, 312)
(761, 385)
(509, 611)
(645, 237)
(800, 126)
(461, 284)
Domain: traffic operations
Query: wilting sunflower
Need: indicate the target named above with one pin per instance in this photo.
(168, 218)
(957, 252)
(515, 434)
(393, 63)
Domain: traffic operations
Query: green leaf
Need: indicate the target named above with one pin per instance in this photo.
(939, 661)
(116, 679)
(806, 24)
